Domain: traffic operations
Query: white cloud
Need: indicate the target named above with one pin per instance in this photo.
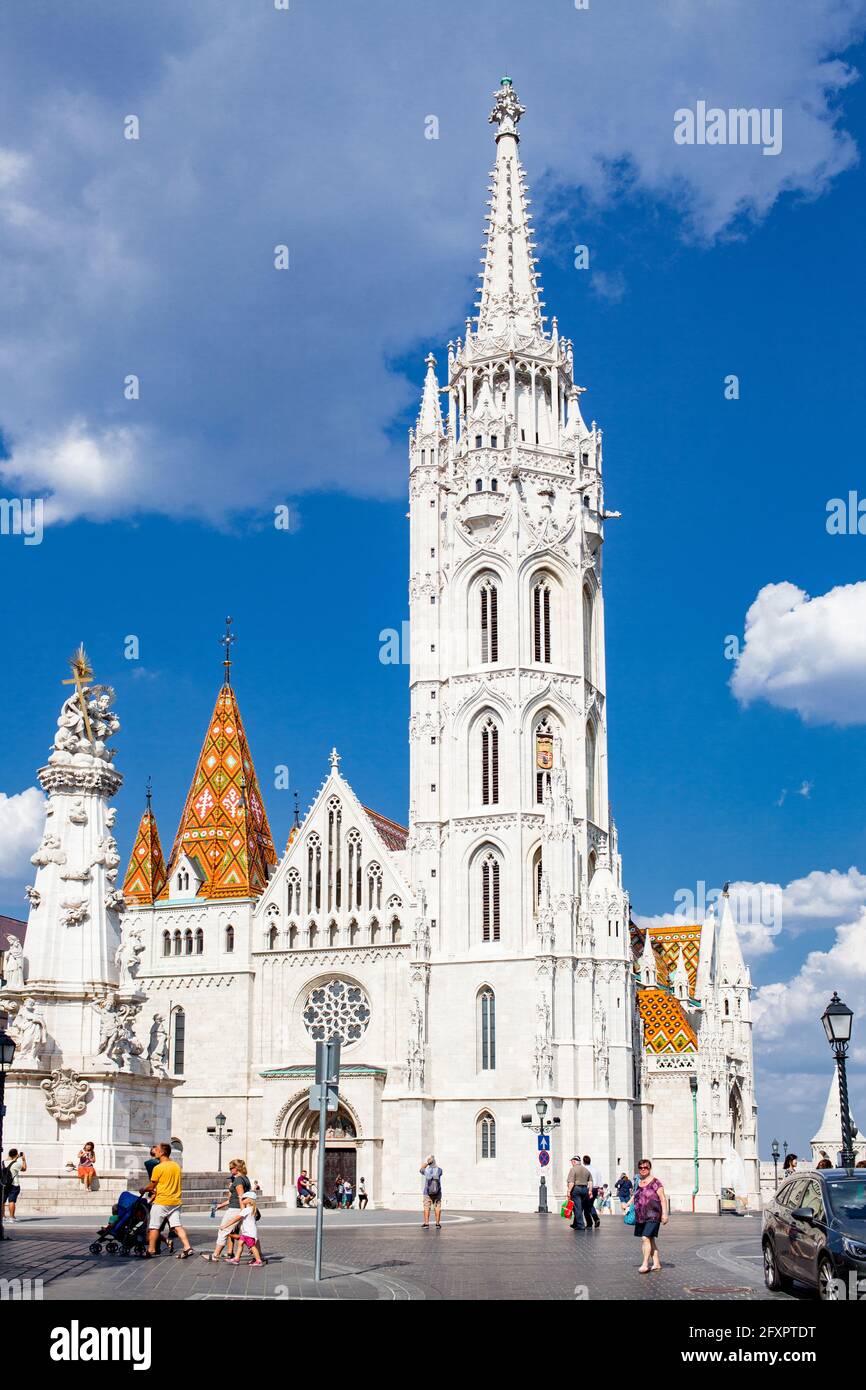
(806, 654)
(22, 817)
(154, 256)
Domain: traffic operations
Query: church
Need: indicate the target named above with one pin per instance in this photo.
(482, 958)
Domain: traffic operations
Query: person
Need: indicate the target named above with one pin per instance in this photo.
(604, 1203)
(789, 1167)
(151, 1162)
(623, 1191)
(248, 1233)
(823, 1163)
(595, 1183)
(11, 1184)
(362, 1195)
(239, 1185)
(338, 1191)
(348, 1193)
(432, 1176)
(306, 1195)
(861, 1163)
(165, 1230)
(578, 1185)
(165, 1183)
(651, 1211)
(87, 1165)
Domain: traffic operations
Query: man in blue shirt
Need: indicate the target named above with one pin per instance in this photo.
(432, 1192)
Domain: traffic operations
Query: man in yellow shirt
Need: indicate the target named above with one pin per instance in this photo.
(165, 1184)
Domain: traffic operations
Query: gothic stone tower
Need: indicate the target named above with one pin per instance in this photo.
(528, 992)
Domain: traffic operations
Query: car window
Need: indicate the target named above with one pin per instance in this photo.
(784, 1193)
(813, 1198)
(795, 1191)
(847, 1198)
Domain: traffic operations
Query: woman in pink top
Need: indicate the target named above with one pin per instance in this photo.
(651, 1212)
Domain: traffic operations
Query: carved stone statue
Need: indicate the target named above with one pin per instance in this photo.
(49, 852)
(33, 896)
(157, 1046)
(543, 1045)
(126, 957)
(64, 1094)
(29, 1030)
(14, 963)
(415, 1069)
(600, 1047)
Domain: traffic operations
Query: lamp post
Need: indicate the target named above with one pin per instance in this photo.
(544, 1126)
(220, 1134)
(7, 1057)
(837, 1019)
(774, 1150)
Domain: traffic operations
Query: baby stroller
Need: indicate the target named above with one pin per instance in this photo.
(126, 1231)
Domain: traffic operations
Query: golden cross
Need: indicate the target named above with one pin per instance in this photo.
(81, 672)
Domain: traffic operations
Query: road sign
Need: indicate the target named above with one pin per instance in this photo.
(330, 1092)
(544, 1143)
(328, 1060)
(543, 1158)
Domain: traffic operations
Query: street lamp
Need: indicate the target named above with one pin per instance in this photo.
(774, 1150)
(220, 1133)
(7, 1057)
(837, 1019)
(543, 1127)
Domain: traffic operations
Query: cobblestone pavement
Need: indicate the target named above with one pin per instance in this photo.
(474, 1256)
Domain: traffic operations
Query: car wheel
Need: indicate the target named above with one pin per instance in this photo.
(831, 1288)
(773, 1277)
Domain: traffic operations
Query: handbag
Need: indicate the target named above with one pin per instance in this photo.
(567, 1209)
(629, 1216)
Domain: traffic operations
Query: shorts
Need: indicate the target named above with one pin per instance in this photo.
(85, 1168)
(160, 1214)
(11, 1194)
(647, 1228)
(249, 1240)
(432, 1201)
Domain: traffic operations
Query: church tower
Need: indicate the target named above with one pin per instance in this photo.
(511, 838)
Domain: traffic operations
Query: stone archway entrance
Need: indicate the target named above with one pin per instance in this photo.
(300, 1148)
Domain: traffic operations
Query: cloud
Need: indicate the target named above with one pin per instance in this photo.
(806, 654)
(22, 817)
(804, 790)
(306, 128)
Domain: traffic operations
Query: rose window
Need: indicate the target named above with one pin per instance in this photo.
(337, 1009)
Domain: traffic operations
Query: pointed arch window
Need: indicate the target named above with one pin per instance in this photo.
(490, 763)
(199, 942)
(588, 635)
(490, 886)
(230, 938)
(294, 885)
(486, 1135)
(591, 774)
(374, 887)
(178, 944)
(541, 601)
(273, 937)
(489, 601)
(537, 872)
(335, 875)
(178, 1040)
(354, 888)
(486, 1029)
(395, 929)
(187, 943)
(166, 943)
(314, 874)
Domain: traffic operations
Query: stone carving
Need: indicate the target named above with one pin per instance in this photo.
(107, 855)
(157, 1046)
(545, 917)
(33, 896)
(543, 1046)
(29, 1030)
(49, 851)
(126, 957)
(14, 963)
(77, 813)
(114, 900)
(600, 1048)
(117, 1041)
(74, 913)
(64, 1094)
(71, 741)
(415, 1066)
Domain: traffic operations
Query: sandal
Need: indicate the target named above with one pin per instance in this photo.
(256, 1264)
(185, 1254)
(211, 1259)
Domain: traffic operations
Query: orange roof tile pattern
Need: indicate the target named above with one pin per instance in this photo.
(665, 1026)
(393, 835)
(146, 875)
(669, 939)
(637, 940)
(224, 822)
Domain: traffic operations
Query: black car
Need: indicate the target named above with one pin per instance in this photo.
(815, 1231)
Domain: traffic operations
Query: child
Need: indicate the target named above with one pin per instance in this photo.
(248, 1232)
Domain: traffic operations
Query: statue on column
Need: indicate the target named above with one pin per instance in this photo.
(157, 1047)
(126, 957)
(14, 963)
(29, 1030)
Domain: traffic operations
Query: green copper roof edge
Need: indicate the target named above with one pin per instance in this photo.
(311, 1071)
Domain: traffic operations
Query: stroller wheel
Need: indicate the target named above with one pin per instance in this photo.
(112, 1247)
(95, 1248)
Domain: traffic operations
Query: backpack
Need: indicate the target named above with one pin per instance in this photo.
(434, 1187)
(6, 1179)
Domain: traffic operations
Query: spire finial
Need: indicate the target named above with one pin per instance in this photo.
(149, 793)
(335, 760)
(226, 640)
(297, 812)
(507, 109)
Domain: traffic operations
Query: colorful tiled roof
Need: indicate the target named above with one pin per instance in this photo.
(393, 835)
(146, 876)
(224, 822)
(669, 939)
(666, 1027)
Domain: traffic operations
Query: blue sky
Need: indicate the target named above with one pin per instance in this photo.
(260, 388)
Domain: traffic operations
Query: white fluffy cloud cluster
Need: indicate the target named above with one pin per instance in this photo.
(806, 654)
(21, 819)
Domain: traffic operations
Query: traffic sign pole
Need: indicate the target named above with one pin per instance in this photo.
(324, 1097)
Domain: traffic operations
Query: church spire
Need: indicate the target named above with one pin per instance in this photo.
(732, 968)
(510, 300)
(145, 876)
(430, 415)
(224, 823)
(648, 972)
